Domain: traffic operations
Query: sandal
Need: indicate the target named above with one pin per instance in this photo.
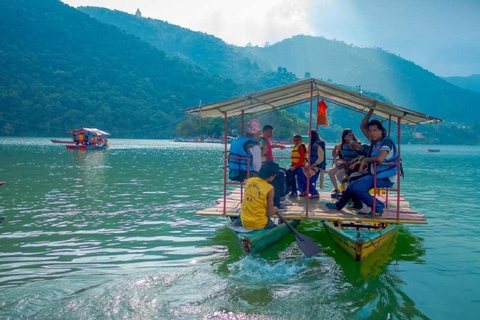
(314, 196)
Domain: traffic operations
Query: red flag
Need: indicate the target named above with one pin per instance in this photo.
(322, 114)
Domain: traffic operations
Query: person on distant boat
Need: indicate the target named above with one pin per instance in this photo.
(95, 140)
(257, 205)
(298, 160)
(344, 153)
(86, 139)
(267, 156)
(316, 166)
(81, 138)
(75, 138)
(245, 147)
(383, 152)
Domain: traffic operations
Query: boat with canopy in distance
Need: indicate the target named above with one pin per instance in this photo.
(87, 139)
(357, 234)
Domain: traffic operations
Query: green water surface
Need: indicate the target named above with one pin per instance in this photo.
(113, 235)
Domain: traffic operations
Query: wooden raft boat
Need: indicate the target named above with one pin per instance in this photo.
(357, 234)
(256, 240)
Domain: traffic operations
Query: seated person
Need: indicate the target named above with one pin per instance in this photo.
(298, 160)
(257, 205)
(383, 152)
(315, 168)
(245, 147)
(343, 154)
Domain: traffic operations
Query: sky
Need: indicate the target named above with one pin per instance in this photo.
(442, 36)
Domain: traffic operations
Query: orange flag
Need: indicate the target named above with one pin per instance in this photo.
(322, 114)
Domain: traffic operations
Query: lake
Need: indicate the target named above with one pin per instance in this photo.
(113, 234)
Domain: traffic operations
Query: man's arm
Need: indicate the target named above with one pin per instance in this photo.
(257, 157)
(271, 209)
(380, 157)
(365, 120)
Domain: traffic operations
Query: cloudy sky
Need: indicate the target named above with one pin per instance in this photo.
(442, 36)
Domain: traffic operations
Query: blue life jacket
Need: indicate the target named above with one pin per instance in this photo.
(239, 148)
(314, 154)
(348, 153)
(384, 170)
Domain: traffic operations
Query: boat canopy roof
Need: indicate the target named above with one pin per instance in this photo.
(91, 130)
(300, 92)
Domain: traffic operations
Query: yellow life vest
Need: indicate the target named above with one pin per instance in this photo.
(254, 205)
(296, 153)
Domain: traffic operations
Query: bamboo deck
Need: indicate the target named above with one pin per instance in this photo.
(318, 211)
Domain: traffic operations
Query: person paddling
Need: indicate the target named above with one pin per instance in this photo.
(257, 205)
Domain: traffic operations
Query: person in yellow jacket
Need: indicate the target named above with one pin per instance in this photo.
(257, 205)
(299, 159)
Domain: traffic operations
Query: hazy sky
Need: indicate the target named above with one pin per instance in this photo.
(442, 36)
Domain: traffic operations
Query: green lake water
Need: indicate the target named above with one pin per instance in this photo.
(113, 235)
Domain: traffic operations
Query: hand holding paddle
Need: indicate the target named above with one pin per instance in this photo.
(308, 247)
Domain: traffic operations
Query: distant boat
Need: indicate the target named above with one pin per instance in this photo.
(88, 139)
(1, 183)
(433, 150)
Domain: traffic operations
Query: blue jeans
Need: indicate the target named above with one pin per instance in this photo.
(293, 179)
(313, 181)
(279, 187)
(358, 190)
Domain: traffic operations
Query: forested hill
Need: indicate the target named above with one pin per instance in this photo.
(471, 83)
(200, 49)
(402, 81)
(62, 69)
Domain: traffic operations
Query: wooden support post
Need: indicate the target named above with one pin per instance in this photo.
(225, 165)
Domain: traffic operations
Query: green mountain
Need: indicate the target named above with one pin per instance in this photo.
(196, 48)
(471, 83)
(62, 69)
(402, 81)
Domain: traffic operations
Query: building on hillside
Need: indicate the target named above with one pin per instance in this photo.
(138, 13)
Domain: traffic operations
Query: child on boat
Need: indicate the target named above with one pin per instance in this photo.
(257, 205)
(298, 160)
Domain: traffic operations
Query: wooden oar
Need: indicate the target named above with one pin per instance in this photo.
(308, 247)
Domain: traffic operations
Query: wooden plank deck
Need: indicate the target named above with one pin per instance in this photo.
(318, 211)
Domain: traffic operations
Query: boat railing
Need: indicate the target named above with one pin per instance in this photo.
(377, 190)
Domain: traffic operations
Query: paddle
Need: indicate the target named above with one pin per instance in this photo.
(308, 247)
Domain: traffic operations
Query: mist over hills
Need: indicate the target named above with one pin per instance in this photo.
(471, 83)
(402, 81)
